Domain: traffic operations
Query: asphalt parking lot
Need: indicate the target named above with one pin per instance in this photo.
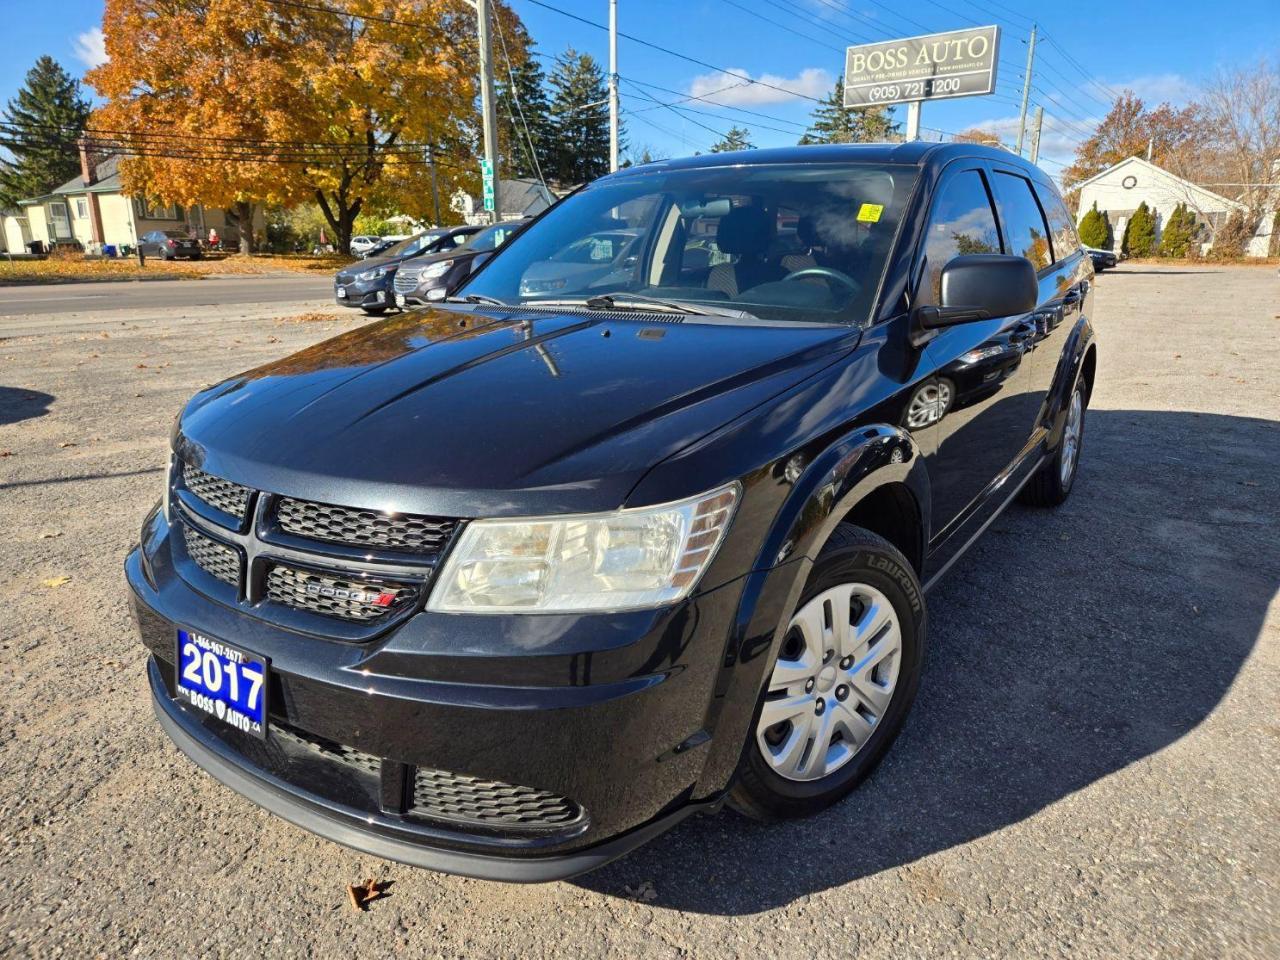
(1092, 767)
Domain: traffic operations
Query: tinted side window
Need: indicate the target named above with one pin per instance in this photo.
(1024, 226)
(1061, 227)
(962, 222)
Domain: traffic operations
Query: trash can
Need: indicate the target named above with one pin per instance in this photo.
(109, 250)
(36, 247)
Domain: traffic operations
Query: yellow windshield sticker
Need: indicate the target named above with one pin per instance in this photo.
(870, 212)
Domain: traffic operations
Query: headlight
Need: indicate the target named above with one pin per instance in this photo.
(373, 274)
(435, 270)
(623, 560)
(981, 353)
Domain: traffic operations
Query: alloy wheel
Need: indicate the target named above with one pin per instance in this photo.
(832, 683)
(1071, 439)
(928, 405)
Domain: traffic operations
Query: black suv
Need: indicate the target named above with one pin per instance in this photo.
(509, 585)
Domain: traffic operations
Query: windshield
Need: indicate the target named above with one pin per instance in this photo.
(413, 245)
(801, 242)
(491, 238)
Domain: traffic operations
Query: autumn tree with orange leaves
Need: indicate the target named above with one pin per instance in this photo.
(231, 103)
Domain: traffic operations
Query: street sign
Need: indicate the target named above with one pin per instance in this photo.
(959, 63)
(486, 180)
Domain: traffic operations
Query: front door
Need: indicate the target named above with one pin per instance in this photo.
(986, 411)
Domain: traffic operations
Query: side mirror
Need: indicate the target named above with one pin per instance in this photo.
(981, 286)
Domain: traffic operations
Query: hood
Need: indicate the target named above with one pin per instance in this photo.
(487, 413)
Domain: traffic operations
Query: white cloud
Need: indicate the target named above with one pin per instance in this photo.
(1157, 88)
(91, 47)
(1058, 140)
(734, 87)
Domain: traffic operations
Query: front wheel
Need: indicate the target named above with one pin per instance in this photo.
(842, 684)
(1052, 483)
(374, 311)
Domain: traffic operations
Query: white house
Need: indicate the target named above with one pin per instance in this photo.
(1119, 189)
(92, 211)
(520, 198)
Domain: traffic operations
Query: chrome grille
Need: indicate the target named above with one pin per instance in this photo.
(215, 559)
(359, 599)
(328, 749)
(452, 796)
(218, 493)
(406, 281)
(364, 528)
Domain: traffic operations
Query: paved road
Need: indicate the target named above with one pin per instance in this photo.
(1092, 767)
(160, 294)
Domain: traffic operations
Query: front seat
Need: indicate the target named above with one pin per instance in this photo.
(745, 233)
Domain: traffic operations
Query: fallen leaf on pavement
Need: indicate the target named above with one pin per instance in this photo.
(50, 534)
(55, 582)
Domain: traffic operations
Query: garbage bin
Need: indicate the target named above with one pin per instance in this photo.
(109, 250)
(36, 247)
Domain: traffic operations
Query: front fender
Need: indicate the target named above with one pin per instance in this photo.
(822, 494)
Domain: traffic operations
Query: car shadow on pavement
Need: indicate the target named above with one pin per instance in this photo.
(1066, 646)
(17, 404)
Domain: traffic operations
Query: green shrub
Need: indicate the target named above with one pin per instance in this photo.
(1095, 228)
(1179, 233)
(1140, 233)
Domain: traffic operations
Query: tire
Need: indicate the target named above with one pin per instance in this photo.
(1052, 483)
(374, 311)
(857, 560)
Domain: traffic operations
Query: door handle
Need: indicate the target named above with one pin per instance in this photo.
(1071, 297)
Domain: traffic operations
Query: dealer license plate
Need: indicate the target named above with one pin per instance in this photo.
(342, 293)
(223, 680)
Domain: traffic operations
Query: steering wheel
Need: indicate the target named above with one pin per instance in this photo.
(825, 273)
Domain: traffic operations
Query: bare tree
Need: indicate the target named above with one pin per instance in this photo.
(1241, 112)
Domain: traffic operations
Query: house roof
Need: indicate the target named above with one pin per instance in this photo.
(108, 180)
(1147, 165)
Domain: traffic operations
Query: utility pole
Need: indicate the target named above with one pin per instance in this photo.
(613, 85)
(429, 155)
(913, 120)
(488, 108)
(1035, 135)
(1026, 88)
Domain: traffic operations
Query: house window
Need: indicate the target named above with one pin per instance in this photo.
(59, 220)
(153, 210)
(82, 208)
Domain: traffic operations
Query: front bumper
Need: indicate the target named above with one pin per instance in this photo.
(376, 293)
(620, 729)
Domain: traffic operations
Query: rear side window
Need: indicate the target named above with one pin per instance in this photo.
(1024, 225)
(1061, 228)
(962, 222)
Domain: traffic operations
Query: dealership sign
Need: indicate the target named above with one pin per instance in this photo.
(961, 63)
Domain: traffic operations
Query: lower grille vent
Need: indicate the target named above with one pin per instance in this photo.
(355, 599)
(215, 559)
(328, 749)
(439, 795)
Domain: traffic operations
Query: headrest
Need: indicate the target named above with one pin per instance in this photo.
(745, 231)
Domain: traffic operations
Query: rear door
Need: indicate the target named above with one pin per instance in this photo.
(984, 411)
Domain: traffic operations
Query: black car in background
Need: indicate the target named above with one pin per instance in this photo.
(169, 245)
(426, 279)
(510, 584)
(367, 284)
(1102, 259)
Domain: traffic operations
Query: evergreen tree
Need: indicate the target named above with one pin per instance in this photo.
(735, 139)
(1140, 233)
(40, 127)
(1095, 229)
(1178, 233)
(580, 151)
(520, 105)
(833, 122)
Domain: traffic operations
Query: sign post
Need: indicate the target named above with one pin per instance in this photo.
(940, 66)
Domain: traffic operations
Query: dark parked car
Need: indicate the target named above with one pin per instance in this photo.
(426, 279)
(169, 244)
(367, 284)
(509, 585)
(1101, 258)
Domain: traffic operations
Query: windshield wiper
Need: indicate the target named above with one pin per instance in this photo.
(478, 298)
(641, 304)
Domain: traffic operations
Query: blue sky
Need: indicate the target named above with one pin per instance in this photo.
(1161, 50)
